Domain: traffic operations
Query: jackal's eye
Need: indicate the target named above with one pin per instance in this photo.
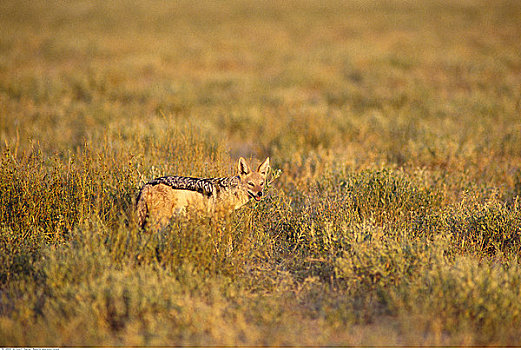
(251, 184)
(262, 184)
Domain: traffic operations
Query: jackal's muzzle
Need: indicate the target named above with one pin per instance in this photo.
(257, 196)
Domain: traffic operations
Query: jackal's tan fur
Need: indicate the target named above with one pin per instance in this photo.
(164, 197)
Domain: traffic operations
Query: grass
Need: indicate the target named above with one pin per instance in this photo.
(393, 130)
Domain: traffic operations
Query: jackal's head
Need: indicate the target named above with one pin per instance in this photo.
(253, 181)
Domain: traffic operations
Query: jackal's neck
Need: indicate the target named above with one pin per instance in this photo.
(230, 191)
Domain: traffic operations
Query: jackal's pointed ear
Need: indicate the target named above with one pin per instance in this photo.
(243, 168)
(264, 167)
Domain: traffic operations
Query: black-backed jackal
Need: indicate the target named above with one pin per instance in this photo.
(166, 196)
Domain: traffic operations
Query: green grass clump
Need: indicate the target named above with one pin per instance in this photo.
(394, 138)
(464, 295)
(375, 260)
(386, 196)
(490, 228)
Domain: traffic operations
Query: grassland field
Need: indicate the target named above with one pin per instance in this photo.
(394, 133)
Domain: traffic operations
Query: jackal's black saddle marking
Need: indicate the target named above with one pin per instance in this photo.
(205, 186)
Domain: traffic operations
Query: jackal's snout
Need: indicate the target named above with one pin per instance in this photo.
(256, 195)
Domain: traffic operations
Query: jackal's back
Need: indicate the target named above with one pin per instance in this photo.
(203, 186)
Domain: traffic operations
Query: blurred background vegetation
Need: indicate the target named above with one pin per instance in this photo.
(395, 221)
